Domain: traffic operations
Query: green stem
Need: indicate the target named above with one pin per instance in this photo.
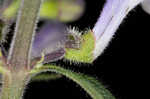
(19, 54)
(15, 78)
(13, 85)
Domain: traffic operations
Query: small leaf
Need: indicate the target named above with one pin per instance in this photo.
(89, 84)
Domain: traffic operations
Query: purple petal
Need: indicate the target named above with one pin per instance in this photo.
(50, 40)
(105, 17)
(112, 15)
(146, 6)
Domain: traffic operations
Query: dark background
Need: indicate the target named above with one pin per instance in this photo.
(121, 68)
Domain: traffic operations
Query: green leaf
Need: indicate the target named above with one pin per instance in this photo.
(45, 77)
(93, 87)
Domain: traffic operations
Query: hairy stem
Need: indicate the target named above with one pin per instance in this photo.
(19, 54)
(15, 78)
(13, 85)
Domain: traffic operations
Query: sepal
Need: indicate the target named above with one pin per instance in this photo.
(85, 52)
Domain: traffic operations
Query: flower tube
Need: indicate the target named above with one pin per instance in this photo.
(111, 17)
(146, 6)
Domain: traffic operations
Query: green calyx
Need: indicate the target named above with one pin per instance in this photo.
(85, 52)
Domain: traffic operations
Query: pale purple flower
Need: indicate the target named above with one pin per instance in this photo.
(113, 13)
(146, 6)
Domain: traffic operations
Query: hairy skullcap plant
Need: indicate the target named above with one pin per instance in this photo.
(33, 51)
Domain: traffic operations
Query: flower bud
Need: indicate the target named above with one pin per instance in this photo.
(50, 40)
